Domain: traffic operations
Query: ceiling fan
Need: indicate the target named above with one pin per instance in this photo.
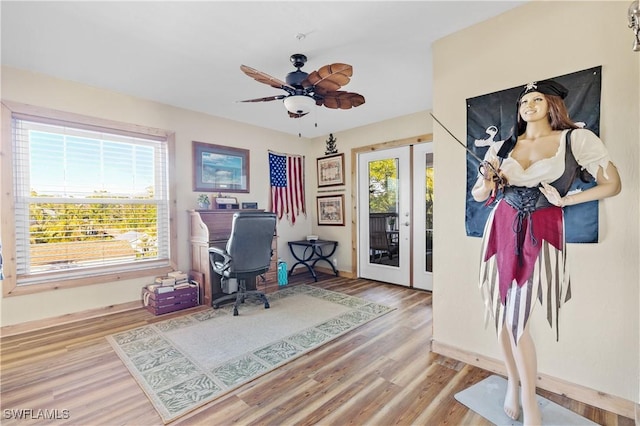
(305, 90)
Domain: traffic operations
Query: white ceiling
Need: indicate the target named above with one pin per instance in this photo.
(188, 54)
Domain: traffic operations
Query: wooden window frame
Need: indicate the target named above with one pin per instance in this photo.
(49, 282)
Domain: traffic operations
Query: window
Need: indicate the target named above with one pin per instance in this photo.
(89, 200)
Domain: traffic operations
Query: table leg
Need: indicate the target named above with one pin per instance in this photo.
(326, 259)
(321, 256)
(306, 257)
(308, 267)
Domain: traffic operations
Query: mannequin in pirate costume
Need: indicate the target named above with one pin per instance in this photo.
(523, 247)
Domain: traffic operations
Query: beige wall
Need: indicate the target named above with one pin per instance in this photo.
(45, 91)
(599, 331)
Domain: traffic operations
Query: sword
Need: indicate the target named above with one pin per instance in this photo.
(473, 154)
(499, 180)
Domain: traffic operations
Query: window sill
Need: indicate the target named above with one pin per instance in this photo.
(64, 283)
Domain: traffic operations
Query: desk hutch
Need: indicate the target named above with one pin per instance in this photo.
(211, 228)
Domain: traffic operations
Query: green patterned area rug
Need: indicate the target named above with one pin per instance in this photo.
(184, 363)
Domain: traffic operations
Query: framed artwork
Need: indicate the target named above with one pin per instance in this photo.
(331, 170)
(219, 168)
(331, 210)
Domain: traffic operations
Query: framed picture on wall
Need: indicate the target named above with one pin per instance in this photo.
(331, 210)
(219, 168)
(331, 170)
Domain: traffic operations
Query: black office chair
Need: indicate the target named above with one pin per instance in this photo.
(247, 255)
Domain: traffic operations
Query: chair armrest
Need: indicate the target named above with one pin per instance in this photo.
(219, 251)
(219, 259)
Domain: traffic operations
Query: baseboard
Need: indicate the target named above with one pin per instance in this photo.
(11, 330)
(580, 393)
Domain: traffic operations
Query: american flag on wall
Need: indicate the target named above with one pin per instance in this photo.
(287, 185)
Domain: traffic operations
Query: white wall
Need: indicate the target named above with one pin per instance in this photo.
(599, 327)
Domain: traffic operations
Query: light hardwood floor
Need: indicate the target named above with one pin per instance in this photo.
(379, 374)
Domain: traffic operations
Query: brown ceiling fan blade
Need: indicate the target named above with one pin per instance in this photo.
(295, 115)
(267, 99)
(330, 77)
(342, 100)
(264, 78)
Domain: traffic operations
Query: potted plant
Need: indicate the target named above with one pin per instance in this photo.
(203, 201)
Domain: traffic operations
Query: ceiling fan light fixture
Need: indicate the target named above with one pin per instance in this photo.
(299, 104)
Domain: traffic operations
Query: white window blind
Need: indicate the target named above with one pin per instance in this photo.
(87, 200)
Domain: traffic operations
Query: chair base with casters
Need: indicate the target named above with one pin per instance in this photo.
(246, 256)
(241, 295)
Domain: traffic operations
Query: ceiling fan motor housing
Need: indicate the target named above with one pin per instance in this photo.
(295, 78)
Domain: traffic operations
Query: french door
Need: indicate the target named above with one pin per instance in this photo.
(423, 216)
(384, 206)
(394, 232)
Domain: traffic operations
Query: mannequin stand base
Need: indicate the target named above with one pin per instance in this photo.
(487, 399)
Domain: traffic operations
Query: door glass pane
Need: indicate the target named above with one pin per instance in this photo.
(428, 225)
(383, 212)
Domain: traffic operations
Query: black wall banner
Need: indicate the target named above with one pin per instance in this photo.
(490, 119)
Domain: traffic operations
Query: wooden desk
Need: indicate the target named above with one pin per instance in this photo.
(311, 253)
(212, 228)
